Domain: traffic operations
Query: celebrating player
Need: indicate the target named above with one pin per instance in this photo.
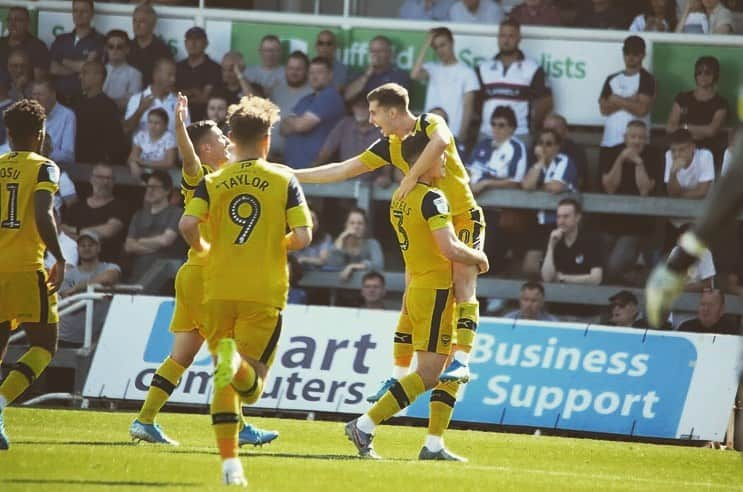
(245, 207)
(426, 236)
(428, 138)
(28, 182)
(203, 148)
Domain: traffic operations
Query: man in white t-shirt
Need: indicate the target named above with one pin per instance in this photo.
(160, 94)
(689, 171)
(627, 95)
(451, 84)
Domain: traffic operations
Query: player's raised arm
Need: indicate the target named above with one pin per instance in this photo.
(439, 139)
(333, 172)
(191, 161)
(44, 215)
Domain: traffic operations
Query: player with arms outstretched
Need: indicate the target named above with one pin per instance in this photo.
(28, 182)
(203, 148)
(246, 208)
(415, 145)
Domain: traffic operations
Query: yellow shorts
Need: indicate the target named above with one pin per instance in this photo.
(470, 228)
(256, 328)
(24, 298)
(189, 300)
(431, 313)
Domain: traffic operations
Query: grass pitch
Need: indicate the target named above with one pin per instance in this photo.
(60, 450)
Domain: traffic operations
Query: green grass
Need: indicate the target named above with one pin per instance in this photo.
(58, 450)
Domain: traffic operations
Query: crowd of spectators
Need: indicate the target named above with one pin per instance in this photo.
(111, 101)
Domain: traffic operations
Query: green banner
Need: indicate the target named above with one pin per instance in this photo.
(673, 68)
(353, 46)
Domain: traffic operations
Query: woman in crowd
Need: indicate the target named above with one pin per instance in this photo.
(353, 250)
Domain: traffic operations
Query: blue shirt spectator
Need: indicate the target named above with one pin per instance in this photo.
(61, 123)
(313, 117)
(490, 160)
(426, 9)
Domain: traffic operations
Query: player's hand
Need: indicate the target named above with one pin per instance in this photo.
(56, 276)
(181, 108)
(663, 287)
(406, 186)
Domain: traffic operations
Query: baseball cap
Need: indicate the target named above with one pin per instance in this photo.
(92, 235)
(623, 297)
(196, 32)
(634, 45)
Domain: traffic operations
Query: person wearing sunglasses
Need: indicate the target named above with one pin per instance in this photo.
(122, 79)
(326, 46)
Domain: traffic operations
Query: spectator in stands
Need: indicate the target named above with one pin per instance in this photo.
(154, 148)
(373, 290)
(511, 79)
(325, 46)
(160, 94)
(702, 111)
(437, 10)
(66, 194)
(269, 72)
(637, 170)
(452, 85)
(720, 17)
(288, 92)
(601, 14)
(21, 74)
(60, 122)
(147, 48)
(624, 311)
(233, 84)
(689, 172)
(573, 255)
(197, 75)
(66, 243)
(153, 231)
(122, 79)
(5, 102)
(658, 15)
(315, 255)
(350, 137)
(627, 95)
(531, 304)
(575, 151)
(711, 317)
(100, 137)
(70, 50)
(536, 13)
(313, 117)
(693, 19)
(476, 11)
(381, 70)
(89, 270)
(353, 250)
(216, 110)
(100, 212)
(19, 37)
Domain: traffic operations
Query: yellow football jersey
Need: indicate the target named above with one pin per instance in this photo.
(21, 175)
(188, 187)
(403, 153)
(414, 218)
(247, 207)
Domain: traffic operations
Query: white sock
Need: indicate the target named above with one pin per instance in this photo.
(399, 372)
(366, 424)
(434, 443)
(232, 465)
(462, 357)
(3, 403)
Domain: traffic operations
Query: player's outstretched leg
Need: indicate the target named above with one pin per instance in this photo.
(402, 353)
(443, 398)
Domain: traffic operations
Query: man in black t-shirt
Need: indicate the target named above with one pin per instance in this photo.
(711, 317)
(197, 75)
(573, 256)
(146, 48)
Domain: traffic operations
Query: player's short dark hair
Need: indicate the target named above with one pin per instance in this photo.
(505, 112)
(24, 120)
(373, 275)
(390, 95)
(198, 130)
(509, 22)
(300, 56)
(252, 118)
(680, 136)
(163, 177)
(160, 113)
(118, 33)
(321, 60)
(531, 285)
(572, 202)
(442, 31)
(638, 124)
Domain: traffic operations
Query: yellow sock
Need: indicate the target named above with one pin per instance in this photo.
(247, 383)
(400, 395)
(225, 410)
(443, 398)
(467, 320)
(403, 346)
(163, 383)
(24, 373)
